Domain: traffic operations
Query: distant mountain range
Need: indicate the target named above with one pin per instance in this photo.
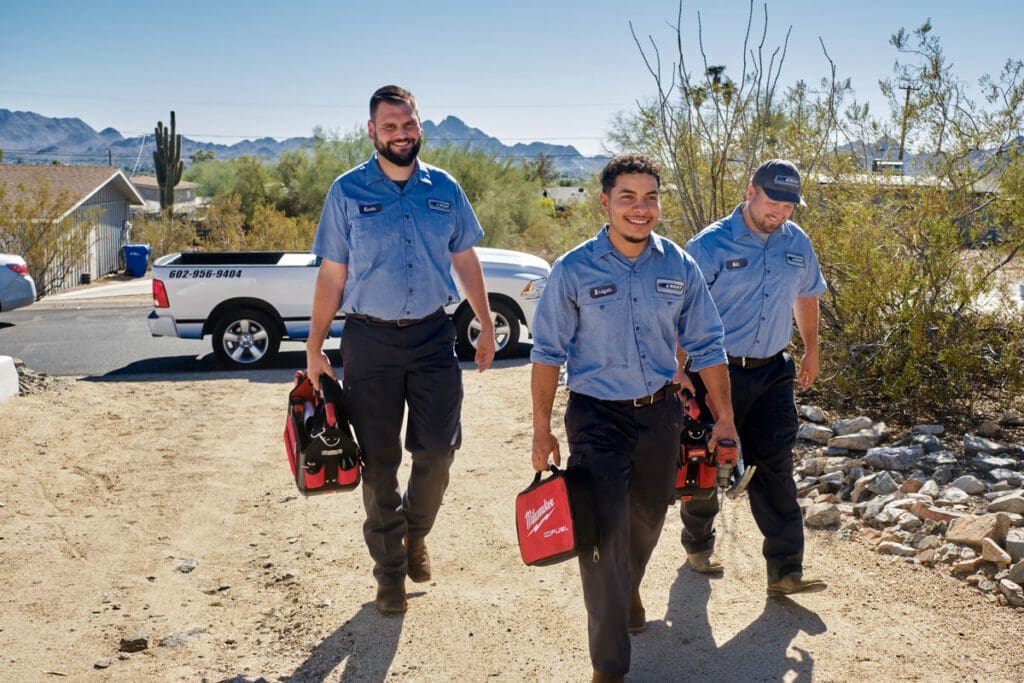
(28, 137)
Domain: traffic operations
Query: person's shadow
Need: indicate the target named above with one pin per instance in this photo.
(366, 644)
(681, 647)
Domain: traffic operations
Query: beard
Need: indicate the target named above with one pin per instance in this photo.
(762, 224)
(403, 159)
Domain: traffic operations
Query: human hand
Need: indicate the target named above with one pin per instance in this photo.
(485, 349)
(318, 364)
(544, 444)
(808, 371)
(724, 429)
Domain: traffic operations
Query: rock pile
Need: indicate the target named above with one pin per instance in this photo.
(32, 382)
(935, 500)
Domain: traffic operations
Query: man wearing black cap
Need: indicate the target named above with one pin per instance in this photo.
(762, 273)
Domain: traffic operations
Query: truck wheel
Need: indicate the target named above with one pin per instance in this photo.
(506, 330)
(245, 338)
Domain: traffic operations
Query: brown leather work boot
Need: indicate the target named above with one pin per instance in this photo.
(637, 615)
(419, 560)
(794, 582)
(390, 598)
(602, 677)
(705, 562)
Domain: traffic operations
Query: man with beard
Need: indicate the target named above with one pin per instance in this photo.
(391, 231)
(612, 311)
(762, 272)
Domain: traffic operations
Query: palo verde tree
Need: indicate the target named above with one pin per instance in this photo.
(711, 127)
(34, 222)
(168, 163)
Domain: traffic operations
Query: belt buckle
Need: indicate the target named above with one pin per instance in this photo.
(743, 361)
(644, 401)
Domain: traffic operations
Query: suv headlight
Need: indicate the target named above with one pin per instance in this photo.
(533, 288)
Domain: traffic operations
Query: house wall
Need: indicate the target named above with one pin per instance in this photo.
(107, 211)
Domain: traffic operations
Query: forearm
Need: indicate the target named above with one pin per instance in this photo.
(330, 284)
(543, 384)
(805, 312)
(716, 380)
(471, 275)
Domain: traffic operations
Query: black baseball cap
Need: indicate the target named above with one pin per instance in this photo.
(780, 181)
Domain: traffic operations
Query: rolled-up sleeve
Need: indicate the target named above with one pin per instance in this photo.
(701, 334)
(556, 319)
(331, 240)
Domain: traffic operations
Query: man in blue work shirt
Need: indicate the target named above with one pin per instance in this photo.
(612, 311)
(391, 231)
(762, 273)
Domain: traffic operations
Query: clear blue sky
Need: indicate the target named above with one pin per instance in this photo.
(556, 71)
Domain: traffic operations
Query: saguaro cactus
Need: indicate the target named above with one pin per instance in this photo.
(168, 163)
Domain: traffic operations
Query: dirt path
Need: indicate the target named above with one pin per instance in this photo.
(109, 487)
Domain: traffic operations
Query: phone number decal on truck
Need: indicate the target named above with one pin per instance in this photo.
(204, 273)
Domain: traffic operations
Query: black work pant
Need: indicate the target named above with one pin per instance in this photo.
(631, 455)
(388, 369)
(765, 412)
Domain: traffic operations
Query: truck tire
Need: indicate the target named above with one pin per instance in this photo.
(506, 330)
(245, 338)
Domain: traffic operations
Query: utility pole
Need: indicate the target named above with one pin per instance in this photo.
(110, 158)
(906, 111)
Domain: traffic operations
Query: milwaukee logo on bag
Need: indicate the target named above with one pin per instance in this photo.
(555, 518)
(322, 454)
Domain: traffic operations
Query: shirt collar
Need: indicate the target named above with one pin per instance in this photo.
(739, 226)
(603, 244)
(374, 173)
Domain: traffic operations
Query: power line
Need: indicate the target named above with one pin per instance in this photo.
(313, 105)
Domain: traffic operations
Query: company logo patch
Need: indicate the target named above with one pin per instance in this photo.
(670, 286)
(438, 205)
(603, 290)
(535, 518)
(366, 209)
(795, 260)
(733, 264)
(787, 180)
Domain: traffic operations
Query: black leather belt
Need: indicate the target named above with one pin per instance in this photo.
(748, 363)
(404, 322)
(658, 395)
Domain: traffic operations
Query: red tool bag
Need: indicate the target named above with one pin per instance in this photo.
(555, 518)
(697, 476)
(701, 472)
(323, 456)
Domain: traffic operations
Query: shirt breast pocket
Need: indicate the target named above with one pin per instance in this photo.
(372, 237)
(438, 226)
(604, 316)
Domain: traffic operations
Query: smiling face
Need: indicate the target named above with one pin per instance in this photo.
(396, 133)
(764, 214)
(634, 209)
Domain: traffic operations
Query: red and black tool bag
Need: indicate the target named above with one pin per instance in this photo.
(322, 454)
(697, 474)
(555, 518)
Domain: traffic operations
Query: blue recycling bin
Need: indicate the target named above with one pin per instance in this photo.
(136, 259)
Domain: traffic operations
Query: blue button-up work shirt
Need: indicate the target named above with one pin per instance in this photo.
(396, 241)
(615, 323)
(755, 282)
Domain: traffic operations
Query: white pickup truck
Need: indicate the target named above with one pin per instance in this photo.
(249, 301)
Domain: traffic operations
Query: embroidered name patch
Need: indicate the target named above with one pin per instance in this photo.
(603, 290)
(438, 205)
(670, 286)
(733, 264)
(365, 209)
(795, 260)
